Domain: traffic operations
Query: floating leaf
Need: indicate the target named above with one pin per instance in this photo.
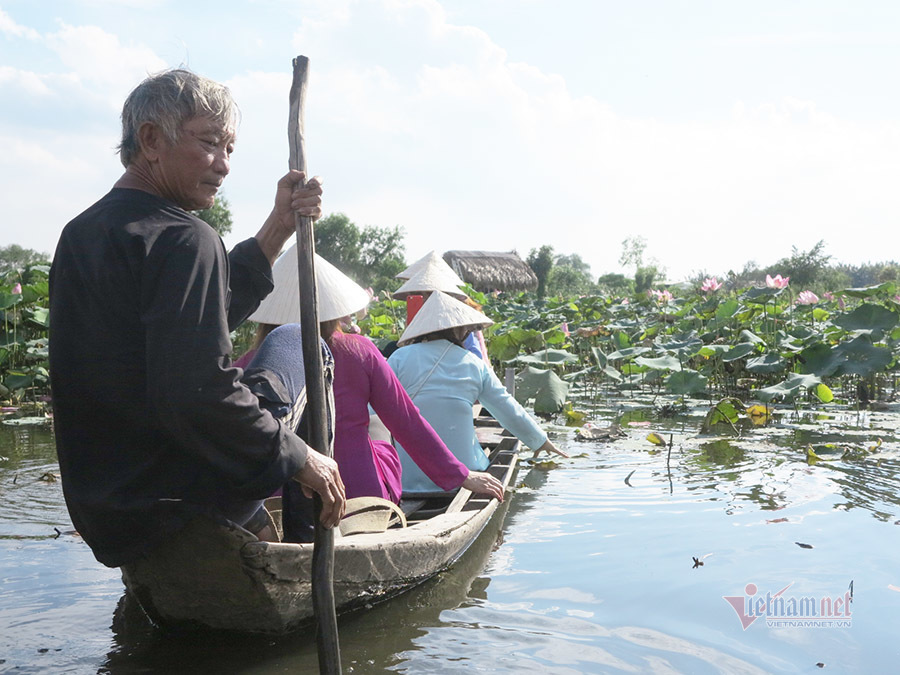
(759, 411)
(655, 438)
(573, 417)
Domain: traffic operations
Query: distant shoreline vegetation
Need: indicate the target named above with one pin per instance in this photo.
(795, 328)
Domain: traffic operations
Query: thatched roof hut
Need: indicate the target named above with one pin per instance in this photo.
(492, 270)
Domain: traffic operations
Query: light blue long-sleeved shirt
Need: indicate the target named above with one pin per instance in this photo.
(446, 399)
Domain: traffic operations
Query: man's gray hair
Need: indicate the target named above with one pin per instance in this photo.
(168, 99)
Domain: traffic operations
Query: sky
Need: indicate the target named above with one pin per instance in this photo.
(719, 132)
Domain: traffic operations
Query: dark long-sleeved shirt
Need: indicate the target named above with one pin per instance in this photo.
(152, 424)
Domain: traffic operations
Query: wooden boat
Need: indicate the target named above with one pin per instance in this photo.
(224, 578)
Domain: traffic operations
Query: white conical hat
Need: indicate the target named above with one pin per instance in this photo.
(339, 295)
(427, 260)
(433, 276)
(440, 312)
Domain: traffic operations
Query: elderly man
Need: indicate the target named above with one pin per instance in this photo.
(153, 426)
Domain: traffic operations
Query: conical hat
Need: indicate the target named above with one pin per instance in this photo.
(339, 295)
(433, 276)
(427, 260)
(440, 312)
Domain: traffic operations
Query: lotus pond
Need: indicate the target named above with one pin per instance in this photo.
(641, 553)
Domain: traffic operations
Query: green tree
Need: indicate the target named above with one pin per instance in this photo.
(16, 262)
(218, 216)
(646, 273)
(570, 275)
(633, 252)
(371, 256)
(541, 262)
(615, 284)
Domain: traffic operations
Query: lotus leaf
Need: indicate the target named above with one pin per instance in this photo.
(761, 296)
(767, 363)
(861, 357)
(727, 411)
(748, 336)
(820, 360)
(627, 353)
(727, 309)
(871, 319)
(17, 379)
(686, 382)
(713, 350)
(7, 300)
(547, 389)
(823, 393)
(612, 374)
(887, 288)
(739, 351)
(686, 345)
(621, 340)
(547, 357)
(793, 385)
(554, 336)
(39, 316)
(506, 346)
(667, 362)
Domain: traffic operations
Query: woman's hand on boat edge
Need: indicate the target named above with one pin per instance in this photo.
(484, 484)
(548, 446)
(320, 475)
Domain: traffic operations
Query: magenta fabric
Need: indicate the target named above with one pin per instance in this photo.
(246, 358)
(362, 377)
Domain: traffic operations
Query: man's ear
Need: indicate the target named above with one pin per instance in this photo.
(150, 140)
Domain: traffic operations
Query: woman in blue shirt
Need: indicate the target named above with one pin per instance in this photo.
(445, 380)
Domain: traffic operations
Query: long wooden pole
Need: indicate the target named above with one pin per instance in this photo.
(316, 401)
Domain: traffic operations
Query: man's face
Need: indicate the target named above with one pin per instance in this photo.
(192, 170)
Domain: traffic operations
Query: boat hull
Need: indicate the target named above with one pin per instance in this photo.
(221, 577)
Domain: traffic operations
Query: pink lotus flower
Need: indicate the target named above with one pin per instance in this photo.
(625, 301)
(710, 284)
(777, 282)
(807, 298)
(564, 327)
(371, 293)
(17, 289)
(660, 296)
(828, 295)
(897, 299)
(841, 302)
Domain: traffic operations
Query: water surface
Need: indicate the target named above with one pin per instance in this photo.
(592, 571)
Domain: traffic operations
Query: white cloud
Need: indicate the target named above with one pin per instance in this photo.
(101, 61)
(9, 27)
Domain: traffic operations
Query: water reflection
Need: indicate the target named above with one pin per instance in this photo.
(594, 572)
